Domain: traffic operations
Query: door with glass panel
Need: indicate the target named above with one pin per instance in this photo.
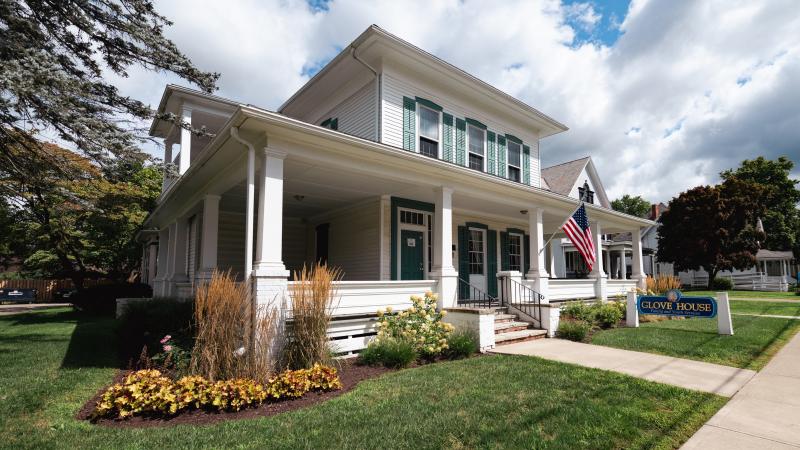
(477, 260)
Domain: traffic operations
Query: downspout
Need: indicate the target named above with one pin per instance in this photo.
(378, 124)
(251, 189)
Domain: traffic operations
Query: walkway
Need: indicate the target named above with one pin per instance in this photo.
(16, 308)
(764, 414)
(697, 375)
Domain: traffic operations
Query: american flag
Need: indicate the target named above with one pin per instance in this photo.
(578, 231)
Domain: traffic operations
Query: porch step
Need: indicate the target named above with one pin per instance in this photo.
(500, 318)
(512, 325)
(519, 336)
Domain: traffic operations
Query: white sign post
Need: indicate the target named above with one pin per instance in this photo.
(632, 312)
(724, 321)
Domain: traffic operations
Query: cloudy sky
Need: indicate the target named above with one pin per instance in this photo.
(662, 94)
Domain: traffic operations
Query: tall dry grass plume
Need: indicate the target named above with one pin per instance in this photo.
(234, 336)
(663, 283)
(312, 295)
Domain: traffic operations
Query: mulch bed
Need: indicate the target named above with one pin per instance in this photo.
(350, 375)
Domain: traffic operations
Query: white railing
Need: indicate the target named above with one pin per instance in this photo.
(620, 287)
(567, 289)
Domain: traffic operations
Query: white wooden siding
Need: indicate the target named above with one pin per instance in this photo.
(295, 243)
(353, 241)
(356, 114)
(395, 87)
(230, 251)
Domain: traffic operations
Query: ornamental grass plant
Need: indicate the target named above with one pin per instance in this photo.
(662, 283)
(312, 295)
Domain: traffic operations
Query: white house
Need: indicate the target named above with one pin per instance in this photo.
(404, 171)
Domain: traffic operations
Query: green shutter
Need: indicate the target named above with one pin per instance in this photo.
(491, 272)
(428, 103)
(526, 164)
(526, 260)
(504, 262)
(447, 139)
(335, 124)
(461, 142)
(501, 156)
(463, 262)
(490, 137)
(409, 123)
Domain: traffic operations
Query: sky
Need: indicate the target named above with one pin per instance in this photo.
(663, 95)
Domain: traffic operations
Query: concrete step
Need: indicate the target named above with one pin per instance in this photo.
(519, 336)
(500, 318)
(505, 327)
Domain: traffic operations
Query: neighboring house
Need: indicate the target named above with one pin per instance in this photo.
(404, 171)
(774, 270)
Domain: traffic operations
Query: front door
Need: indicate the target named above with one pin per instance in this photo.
(477, 258)
(411, 255)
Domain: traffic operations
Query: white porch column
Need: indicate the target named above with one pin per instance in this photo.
(186, 140)
(167, 161)
(538, 270)
(443, 269)
(637, 270)
(177, 255)
(552, 258)
(623, 265)
(601, 282)
(152, 259)
(209, 237)
(161, 263)
(765, 266)
(269, 272)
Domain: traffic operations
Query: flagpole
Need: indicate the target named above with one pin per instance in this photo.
(580, 203)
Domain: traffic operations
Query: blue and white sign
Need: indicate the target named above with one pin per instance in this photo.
(672, 303)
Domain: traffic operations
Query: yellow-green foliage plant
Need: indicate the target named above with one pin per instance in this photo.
(662, 284)
(420, 324)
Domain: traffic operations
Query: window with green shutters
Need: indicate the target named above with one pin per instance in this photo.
(461, 141)
(501, 156)
(490, 144)
(409, 123)
(447, 138)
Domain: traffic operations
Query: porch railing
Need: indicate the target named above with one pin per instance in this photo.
(472, 297)
(521, 297)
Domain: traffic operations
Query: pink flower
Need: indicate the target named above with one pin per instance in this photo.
(165, 339)
(167, 348)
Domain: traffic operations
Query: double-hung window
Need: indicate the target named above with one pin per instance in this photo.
(476, 143)
(428, 132)
(514, 161)
(515, 252)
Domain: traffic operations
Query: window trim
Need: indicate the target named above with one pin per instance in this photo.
(508, 159)
(521, 250)
(419, 134)
(483, 156)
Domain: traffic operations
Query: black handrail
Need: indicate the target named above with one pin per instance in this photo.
(472, 297)
(521, 297)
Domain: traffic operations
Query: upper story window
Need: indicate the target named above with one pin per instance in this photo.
(331, 122)
(587, 191)
(429, 132)
(476, 142)
(514, 161)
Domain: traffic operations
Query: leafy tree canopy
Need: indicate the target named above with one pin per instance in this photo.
(712, 227)
(635, 206)
(779, 199)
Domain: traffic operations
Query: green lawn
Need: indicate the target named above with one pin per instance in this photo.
(51, 362)
(746, 294)
(755, 339)
(765, 307)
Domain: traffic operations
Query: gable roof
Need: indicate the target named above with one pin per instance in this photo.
(562, 177)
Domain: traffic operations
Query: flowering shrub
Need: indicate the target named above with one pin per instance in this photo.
(148, 392)
(172, 356)
(421, 325)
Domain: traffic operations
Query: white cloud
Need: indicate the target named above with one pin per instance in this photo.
(722, 76)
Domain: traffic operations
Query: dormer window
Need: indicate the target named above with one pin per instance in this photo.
(476, 142)
(587, 191)
(514, 161)
(429, 131)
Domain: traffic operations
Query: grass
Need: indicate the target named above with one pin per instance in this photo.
(51, 362)
(755, 339)
(765, 307)
(746, 294)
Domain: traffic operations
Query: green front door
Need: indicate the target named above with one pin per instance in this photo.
(411, 251)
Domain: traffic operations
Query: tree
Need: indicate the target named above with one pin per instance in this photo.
(779, 200)
(55, 55)
(83, 225)
(635, 206)
(712, 227)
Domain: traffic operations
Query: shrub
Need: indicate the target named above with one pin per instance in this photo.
(606, 315)
(172, 356)
(144, 324)
(576, 310)
(231, 343)
(722, 284)
(392, 352)
(149, 392)
(663, 283)
(461, 344)
(574, 330)
(312, 297)
(102, 299)
(420, 324)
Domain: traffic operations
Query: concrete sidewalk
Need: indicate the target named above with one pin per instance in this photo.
(764, 414)
(697, 375)
(18, 308)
